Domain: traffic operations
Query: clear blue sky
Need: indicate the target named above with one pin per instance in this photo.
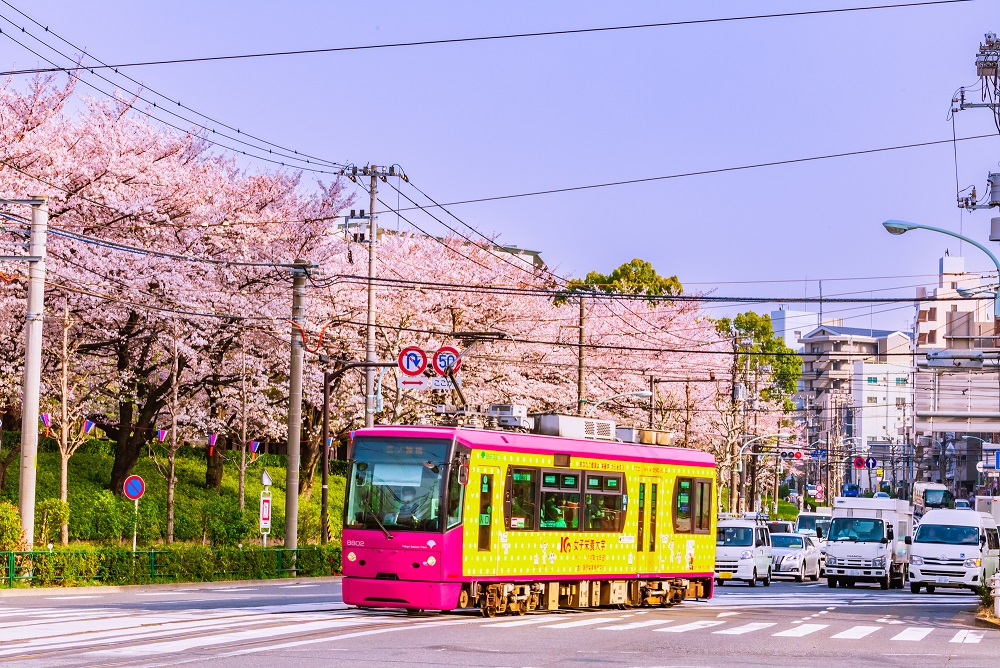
(474, 120)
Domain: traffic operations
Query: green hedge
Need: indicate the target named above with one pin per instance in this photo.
(191, 563)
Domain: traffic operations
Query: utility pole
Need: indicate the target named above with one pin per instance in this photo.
(172, 452)
(370, 333)
(243, 422)
(32, 362)
(295, 406)
(581, 389)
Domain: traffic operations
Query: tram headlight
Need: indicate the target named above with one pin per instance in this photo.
(351, 556)
(431, 560)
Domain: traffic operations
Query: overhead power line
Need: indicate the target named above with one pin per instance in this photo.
(485, 38)
(703, 172)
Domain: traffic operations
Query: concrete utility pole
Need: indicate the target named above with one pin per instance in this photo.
(295, 407)
(370, 333)
(32, 361)
(581, 389)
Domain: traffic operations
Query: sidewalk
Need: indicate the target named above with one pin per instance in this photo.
(28, 592)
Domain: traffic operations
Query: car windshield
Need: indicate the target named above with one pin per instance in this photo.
(734, 537)
(944, 534)
(795, 542)
(857, 529)
(810, 522)
(395, 484)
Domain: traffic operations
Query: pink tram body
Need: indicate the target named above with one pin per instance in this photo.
(439, 518)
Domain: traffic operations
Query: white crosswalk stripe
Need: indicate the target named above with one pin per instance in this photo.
(746, 628)
(856, 632)
(799, 631)
(519, 622)
(590, 621)
(968, 637)
(635, 625)
(692, 626)
(913, 633)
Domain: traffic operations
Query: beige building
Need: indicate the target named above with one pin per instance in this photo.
(955, 408)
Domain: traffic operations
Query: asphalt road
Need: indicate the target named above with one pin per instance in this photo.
(304, 623)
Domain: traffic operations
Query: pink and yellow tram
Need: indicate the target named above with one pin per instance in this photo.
(438, 518)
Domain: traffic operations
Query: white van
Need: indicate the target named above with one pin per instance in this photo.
(743, 552)
(954, 548)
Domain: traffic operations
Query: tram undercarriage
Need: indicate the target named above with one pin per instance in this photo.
(498, 598)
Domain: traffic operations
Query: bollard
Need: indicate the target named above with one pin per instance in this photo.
(995, 587)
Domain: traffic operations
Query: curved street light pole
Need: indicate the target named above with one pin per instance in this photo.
(743, 481)
(643, 394)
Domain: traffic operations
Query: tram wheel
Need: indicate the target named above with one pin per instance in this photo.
(489, 611)
(522, 610)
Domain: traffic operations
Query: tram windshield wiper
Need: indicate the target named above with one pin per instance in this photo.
(388, 536)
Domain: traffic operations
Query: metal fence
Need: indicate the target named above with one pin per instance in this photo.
(186, 564)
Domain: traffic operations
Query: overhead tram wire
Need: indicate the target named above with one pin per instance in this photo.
(149, 114)
(165, 97)
(508, 36)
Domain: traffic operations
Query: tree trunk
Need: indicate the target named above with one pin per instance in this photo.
(216, 461)
(171, 484)
(64, 492)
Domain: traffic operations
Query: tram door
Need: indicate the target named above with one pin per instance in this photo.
(489, 498)
(648, 535)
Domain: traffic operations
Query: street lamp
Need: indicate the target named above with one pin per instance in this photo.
(642, 394)
(898, 227)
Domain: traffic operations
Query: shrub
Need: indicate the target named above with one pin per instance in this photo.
(11, 536)
(107, 522)
(226, 524)
(309, 523)
(50, 515)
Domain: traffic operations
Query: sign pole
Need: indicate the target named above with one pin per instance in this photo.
(135, 525)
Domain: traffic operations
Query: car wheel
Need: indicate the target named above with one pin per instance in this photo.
(767, 581)
(914, 587)
(849, 584)
(815, 577)
(831, 583)
(800, 577)
(753, 580)
(885, 582)
(719, 583)
(930, 589)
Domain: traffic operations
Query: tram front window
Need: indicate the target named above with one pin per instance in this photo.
(396, 485)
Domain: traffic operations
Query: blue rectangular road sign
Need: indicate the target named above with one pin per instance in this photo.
(996, 462)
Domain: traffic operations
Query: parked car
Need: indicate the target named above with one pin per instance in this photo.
(796, 555)
(850, 489)
(743, 552)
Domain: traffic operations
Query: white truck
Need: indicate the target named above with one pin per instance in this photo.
(868, 542)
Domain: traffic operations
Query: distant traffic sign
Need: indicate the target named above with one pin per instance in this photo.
(425, 384)
(871, 463)
(819, 489)
(996, 461)
(412, 361)
(134, 488)
(445, 357)
(859, 462)
(265, 513)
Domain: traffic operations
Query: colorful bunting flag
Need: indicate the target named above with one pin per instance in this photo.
(162, 435)
(47, 420)
(212, 438)
(329, 442)
(88, 426)
(254, 448)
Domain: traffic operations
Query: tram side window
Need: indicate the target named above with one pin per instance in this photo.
(702, 506)
(605, 502)
(682, 505)
(560, 500)
(524, 495)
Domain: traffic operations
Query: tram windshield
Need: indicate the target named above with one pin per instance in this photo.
(396, 484)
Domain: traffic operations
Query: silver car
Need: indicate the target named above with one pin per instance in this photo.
(795, 555)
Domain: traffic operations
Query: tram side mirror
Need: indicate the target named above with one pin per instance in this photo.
(463, 475)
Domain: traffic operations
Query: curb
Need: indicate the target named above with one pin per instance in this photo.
(30, 592)
(987, 622)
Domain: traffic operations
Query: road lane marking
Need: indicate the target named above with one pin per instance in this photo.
(856, 632)
(67, 598)
(172, 646)
(635, 625)
(581, 622)
(727, 614)
(800, 631)
(298, 586)
(746, 628)
(968, 636)
(520, 622)
(693, 626)
(913, 633)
